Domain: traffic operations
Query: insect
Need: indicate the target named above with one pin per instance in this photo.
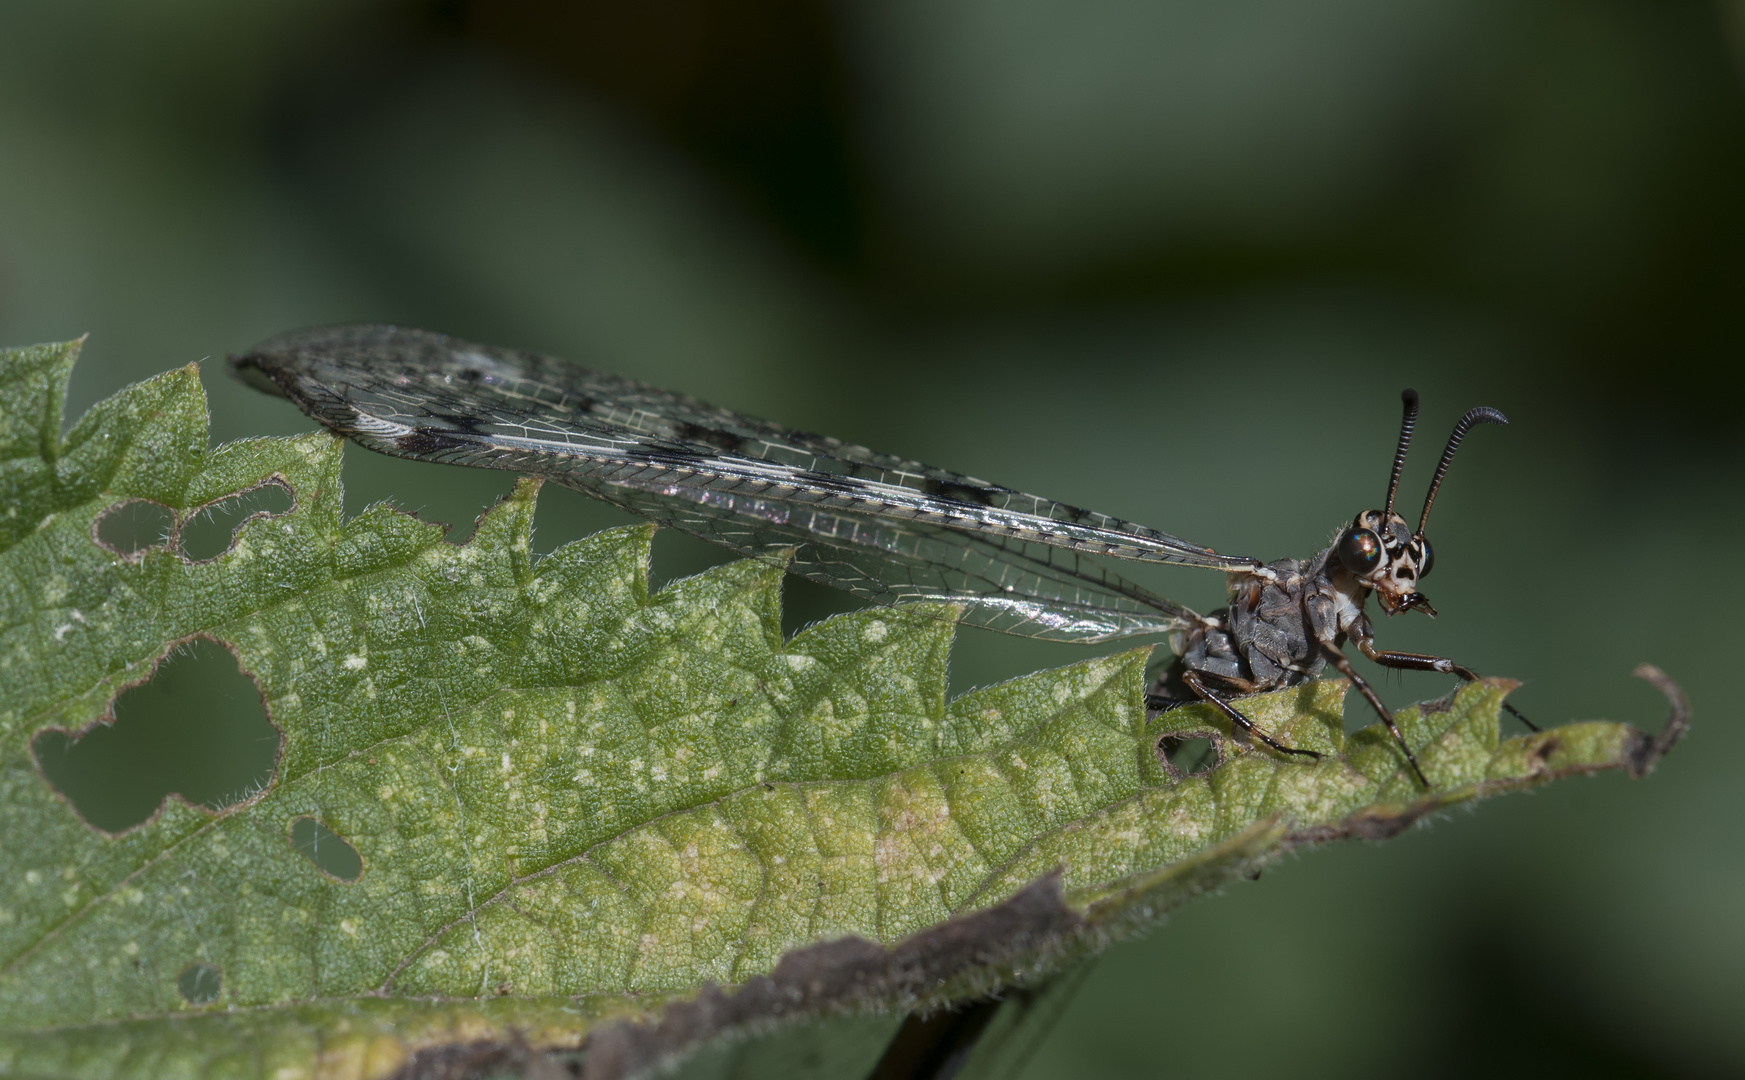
(881, 527)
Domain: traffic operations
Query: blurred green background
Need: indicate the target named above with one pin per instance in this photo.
(1171, 261)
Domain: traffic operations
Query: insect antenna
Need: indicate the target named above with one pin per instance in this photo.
(1410, 397)
(1484, 414)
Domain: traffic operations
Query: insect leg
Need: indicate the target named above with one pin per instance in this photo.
(1343, 663)
(1166, 693)
(1198, 686)
(1517, 714)
(1411, 661)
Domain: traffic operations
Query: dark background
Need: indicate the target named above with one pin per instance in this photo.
(1171, 261)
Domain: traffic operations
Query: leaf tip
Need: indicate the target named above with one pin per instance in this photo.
(1647, 751)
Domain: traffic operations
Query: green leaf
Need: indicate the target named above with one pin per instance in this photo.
(570, 803)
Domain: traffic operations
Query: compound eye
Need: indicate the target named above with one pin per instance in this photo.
(1360, 551)
(1429, 559)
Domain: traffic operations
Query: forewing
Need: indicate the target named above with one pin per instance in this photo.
(878, 526)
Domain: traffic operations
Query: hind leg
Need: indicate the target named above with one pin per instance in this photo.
(1193, 680)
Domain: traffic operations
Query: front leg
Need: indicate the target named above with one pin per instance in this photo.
(1412, 661)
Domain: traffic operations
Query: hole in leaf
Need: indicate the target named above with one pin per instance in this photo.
(130, 527)
(1187, 754)
(330, 852)
(196, 728)
(199, 983)
(210, 530)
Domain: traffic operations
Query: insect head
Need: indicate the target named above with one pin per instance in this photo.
(1378, 548)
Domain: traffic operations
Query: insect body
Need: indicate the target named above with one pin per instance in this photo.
(1283, 628)
(881, 527)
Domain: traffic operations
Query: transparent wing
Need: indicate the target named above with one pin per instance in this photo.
(877, 526)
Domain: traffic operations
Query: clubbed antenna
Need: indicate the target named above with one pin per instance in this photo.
(1484, 414)
(1410, 398)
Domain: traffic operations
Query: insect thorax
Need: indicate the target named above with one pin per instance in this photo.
(1265, 637)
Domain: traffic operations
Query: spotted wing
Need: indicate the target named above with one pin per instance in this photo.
(880, 527)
